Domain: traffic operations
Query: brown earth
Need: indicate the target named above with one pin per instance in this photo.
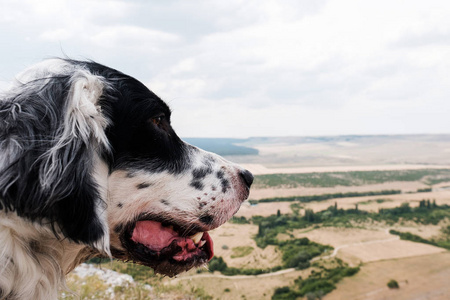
(420, 277)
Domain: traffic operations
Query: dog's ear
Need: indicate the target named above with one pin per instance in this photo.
(51, 139)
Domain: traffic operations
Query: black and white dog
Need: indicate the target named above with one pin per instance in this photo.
(90, 166)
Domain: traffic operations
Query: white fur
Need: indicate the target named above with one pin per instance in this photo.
(33, 262)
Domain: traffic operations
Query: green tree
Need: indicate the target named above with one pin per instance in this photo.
(309, 215)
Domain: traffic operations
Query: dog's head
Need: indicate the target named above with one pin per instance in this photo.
(90, 152)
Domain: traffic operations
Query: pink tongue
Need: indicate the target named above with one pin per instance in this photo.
(153, 235)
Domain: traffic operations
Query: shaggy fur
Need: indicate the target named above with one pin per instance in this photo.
(87, 159)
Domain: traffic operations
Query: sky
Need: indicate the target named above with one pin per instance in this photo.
(256, 68)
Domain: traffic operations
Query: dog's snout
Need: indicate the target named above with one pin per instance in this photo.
(247, 177)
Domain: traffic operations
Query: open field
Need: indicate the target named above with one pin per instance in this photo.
(420, 277)
(356, 245)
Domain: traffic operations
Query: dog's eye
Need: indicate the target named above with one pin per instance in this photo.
(157, 120)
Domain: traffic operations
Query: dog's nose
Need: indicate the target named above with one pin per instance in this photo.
(247, 176)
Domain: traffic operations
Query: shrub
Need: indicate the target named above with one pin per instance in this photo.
(393, 284)
(217, 264)
(298, 259)
(284, 293)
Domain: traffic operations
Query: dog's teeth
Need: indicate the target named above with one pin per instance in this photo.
(201, 243)
(196, 237)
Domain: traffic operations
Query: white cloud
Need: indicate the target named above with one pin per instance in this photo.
(258, 67)
(126, 36)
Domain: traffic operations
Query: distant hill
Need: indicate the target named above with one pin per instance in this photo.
(364, 139)
(222, 146)
(344, 150)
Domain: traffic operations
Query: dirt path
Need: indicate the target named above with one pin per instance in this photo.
(281, 272)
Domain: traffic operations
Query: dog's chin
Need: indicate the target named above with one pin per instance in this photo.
(167, 248)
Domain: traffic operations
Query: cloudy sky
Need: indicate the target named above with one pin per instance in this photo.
(256, 68)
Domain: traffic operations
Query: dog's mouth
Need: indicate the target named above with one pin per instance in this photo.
(167, 248)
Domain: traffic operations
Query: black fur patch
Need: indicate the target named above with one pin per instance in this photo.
(225, 185)
(220, 174)
(201, 173)
(208, 220)
(130, 175)
(143, 185)
(209, 161)
(198, 185)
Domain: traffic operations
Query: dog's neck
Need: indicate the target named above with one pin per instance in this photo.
(33, 263)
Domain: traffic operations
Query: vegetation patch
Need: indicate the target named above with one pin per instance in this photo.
(324, 197)
(317, 284)
(411, 237)
(139, 273)
(218, 264)
(443, 243)
(241, 251)
(297, 253)
(428, 212)
(424, 190)
(393, 284)
(239, 220)
(378, 201)
(355, 178)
